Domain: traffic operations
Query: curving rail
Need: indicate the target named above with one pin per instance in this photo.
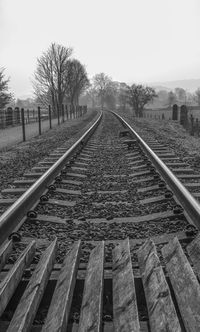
(187, 201)
(10, 219)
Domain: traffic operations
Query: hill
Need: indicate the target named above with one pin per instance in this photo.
(190, 85)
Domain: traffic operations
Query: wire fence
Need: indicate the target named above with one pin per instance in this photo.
(189, 117)
(40, 118)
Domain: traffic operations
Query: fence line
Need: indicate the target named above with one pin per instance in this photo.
(15, 117)
(189, 118)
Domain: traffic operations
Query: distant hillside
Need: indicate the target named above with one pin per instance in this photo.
(160, 87)
(24, 97)
(190, 85)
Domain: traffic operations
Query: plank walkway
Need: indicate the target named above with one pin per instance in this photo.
(169, 308)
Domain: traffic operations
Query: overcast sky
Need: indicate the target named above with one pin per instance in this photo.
(129, 40)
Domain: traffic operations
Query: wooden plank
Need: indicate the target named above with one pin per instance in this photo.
(7, 201)
(106, 192)
(134, 157)
(155, 199)
(48, 163)
(49, 218)
(139, 167)
(91, 309)
(59, 310)
(27, 308)
(24, 181)
(185, 284)
(137, 162)
(166, 155)
(14, 191)
(176, 164)
(68, 191)
(162, 314)
(72, 182)
(79, 164)
(163, 150)
(124, 297)
(12, 279)
(193, 250)
(5, 252)
(131, 155)
(140, 173)
(137, 219)
(192, 185)
(150, 188)
(171, 158)
(112, 203)
(79, 169)
(188, 176)
(53, 159)
(195, 194)
(182, 170)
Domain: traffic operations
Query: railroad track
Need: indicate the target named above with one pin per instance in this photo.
(102, 236)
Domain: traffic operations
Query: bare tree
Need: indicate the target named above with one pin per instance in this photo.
(76, 80)
(50, 82)
(123, 96)
(139, 96)
(91, 95)
(181, 94)
(102, 84)
(111, 95)
(5, 95)
(171, 98)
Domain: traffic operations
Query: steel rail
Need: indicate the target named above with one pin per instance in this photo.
(188, 202)
(11, 217)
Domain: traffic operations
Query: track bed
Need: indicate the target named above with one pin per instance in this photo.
(111, 197)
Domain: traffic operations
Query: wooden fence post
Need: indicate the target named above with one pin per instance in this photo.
(39, 120)
(63, 114)
(58, 110)
(28, 115)
(192, 125)
(23, 125)
(197, 127)
(66, 111)
(50, 124)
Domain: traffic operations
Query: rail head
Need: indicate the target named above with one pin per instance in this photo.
(188, 202)
(11, 217)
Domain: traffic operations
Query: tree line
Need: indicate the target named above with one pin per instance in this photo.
(61, 79)
(104, 91)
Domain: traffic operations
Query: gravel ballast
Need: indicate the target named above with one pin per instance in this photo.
(22, 157)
